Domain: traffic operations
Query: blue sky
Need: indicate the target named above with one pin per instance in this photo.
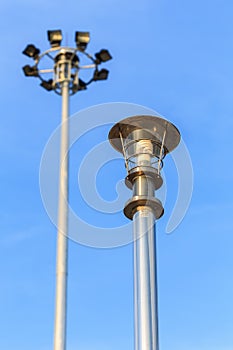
(175, 58)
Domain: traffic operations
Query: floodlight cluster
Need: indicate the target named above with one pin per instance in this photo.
(67, 57)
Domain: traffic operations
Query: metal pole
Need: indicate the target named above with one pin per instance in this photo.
(145, 281)
(62, 240)
(154, 287)
(145, 293)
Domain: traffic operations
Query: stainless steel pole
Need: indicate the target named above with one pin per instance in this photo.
(62, 240)
(154, 286)
(145, 271)
(145, 286)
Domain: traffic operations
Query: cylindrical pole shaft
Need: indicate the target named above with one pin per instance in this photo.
(62, 240)
(154, 288)
(145, 282)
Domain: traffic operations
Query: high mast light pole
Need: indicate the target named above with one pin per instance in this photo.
(64, 80)
(144, 142)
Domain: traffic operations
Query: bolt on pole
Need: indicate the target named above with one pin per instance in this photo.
(144, 141)
(65, 81)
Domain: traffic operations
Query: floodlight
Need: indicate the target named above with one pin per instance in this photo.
(55, 37)
(47, 84)
(81, 85)
(31, 51)
(82, 39)
(30, 71)
(101, 75)
(103, 56)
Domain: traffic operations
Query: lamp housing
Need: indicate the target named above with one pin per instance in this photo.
(30, 71)
(47, 84)
(31, 51)
(79, 87)
(55, 37)
(103, 56)
(101, 75)
(82, 39)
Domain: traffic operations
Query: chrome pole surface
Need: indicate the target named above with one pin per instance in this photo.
(154, 288)
(145, 282)
(62, 240)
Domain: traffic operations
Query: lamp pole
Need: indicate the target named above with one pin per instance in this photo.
(65, 81)
(144, 141)
(62, 240)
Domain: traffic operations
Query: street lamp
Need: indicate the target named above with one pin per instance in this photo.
(144, 142)
(64, 80)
